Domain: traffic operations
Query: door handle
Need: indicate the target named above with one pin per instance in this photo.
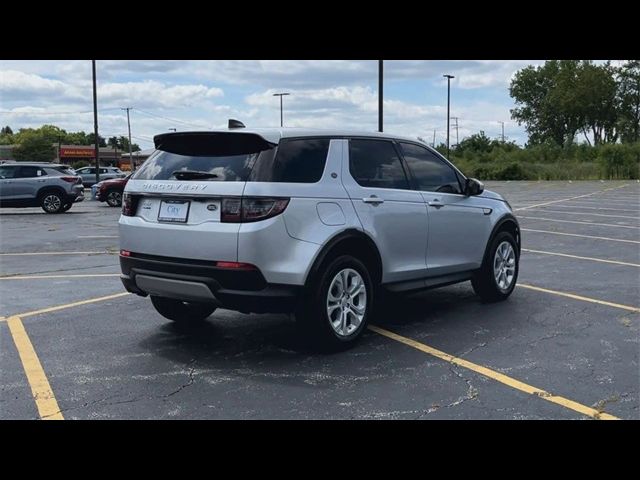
(436, 203)
(373, 200)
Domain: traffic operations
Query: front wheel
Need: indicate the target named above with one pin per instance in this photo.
(114, 198)
(182, 312)
(497, 277)
(338, 305)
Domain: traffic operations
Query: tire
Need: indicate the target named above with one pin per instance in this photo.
(114, 198)
(485, 282)
(321, 313)
(52, 202)
(184, 313)
(66, 207)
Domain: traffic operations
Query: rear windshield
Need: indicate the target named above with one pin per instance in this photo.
(293, 160)
(233, 168)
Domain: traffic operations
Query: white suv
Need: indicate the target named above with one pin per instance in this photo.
(320, 223)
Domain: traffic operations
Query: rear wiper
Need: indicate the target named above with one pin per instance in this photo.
(192, 174)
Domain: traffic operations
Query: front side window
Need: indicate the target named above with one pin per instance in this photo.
(431, 173)
(375, 164)
(296, 161)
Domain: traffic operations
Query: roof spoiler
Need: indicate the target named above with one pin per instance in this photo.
(210, 144)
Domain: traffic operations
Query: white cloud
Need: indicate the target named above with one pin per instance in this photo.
(150, 93)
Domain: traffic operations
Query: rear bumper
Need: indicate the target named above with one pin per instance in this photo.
(190, 280)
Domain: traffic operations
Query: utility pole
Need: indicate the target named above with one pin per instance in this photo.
(448, 77)
(434, 138)
(129, 127)
(456, 125)
(502, 131)
(281, 95)
(59, 146)
(380, 93)
(115, 152)
(95, 121)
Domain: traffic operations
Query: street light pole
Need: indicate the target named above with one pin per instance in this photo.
(95, 122)
(172, 129)
(129, 126)
(380, 93)
(281, 95)
(448, 77)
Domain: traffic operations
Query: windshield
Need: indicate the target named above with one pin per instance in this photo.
(230, 168)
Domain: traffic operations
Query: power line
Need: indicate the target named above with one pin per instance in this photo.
(456, 125)
(14, 112)
(167, 118)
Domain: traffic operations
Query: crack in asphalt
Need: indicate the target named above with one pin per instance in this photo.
(191, 373)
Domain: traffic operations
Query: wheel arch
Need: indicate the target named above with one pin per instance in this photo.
(352, 242)
(506, 223)
(51, 189)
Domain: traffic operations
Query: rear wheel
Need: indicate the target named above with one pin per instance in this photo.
(51, 202)
(114, 198)
(182, 312)
(338, 306)
(497, 278)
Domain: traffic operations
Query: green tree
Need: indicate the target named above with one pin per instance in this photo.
(478, 142)
(91, 140)
(545, 102)
(34, 148)
(594, 101)
(6, 136)
(628, 77)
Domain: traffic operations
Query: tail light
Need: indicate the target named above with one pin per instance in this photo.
(251, 209)
(71, 179)
(129, 205)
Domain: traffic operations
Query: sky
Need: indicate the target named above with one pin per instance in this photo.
(199, 95)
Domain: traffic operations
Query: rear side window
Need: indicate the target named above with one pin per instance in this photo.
(229, 168)
(30, 172)
(375, 164)
(62, 169)
(296, 161)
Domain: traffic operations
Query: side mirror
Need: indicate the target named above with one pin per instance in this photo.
(473, 187)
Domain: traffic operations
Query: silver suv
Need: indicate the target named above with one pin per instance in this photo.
(88, 174)
(53, 187)
(319, 223)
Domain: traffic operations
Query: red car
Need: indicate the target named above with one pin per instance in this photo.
(110, 191)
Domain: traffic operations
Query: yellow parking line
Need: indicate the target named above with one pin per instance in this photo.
(494, 375)
(578, 235)
(581, 298)
(592, 214)
(581, 258)
(581, 223)
(41, 277)
(74, 304)
(571, 198)
(40, 387)
(19, 254)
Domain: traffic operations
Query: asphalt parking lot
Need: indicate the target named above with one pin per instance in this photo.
(74, 345)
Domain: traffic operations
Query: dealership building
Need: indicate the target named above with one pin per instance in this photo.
(109, 156)
(70, 154)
